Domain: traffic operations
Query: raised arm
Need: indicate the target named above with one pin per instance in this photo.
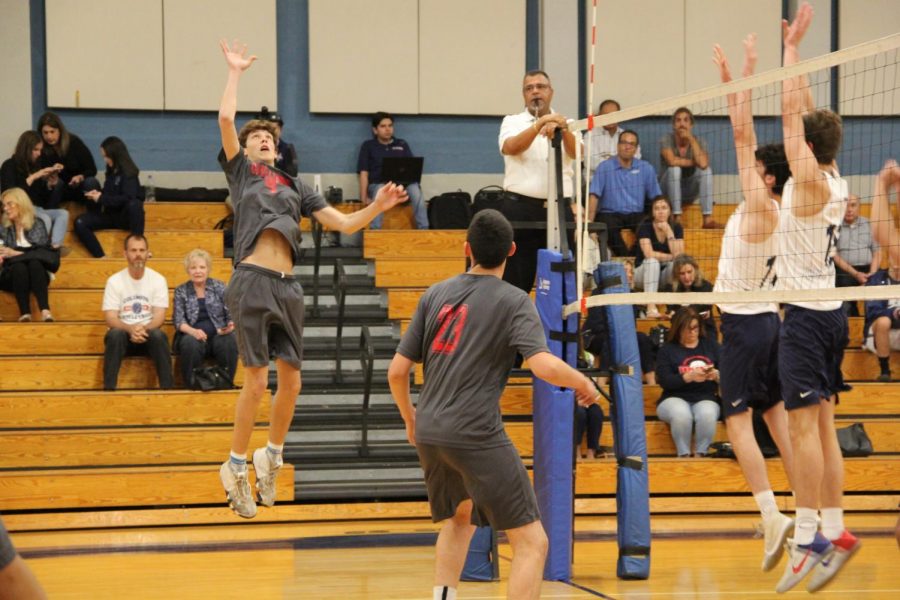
(388, 196)
(237, 64)
(761, 212)
(884, 230)
(811, 188)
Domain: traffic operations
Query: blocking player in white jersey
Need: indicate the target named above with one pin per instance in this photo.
(813, 334)
(748, 359)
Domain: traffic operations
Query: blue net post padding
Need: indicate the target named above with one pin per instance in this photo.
(554, 416)
(629, 431)
(481, 561)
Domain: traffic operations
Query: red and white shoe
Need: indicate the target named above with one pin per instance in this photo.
(844, 548)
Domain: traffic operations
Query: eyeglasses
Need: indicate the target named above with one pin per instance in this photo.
(624, 143)
(536, 86)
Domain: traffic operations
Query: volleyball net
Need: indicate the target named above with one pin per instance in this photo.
(738, 125)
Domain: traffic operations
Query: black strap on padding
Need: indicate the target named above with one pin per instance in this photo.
(634, 551)
(631, 462)
(612, 281)
(564, 266)
(563, 336)
(621, 369)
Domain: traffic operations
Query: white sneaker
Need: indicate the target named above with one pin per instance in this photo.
(237, 490)
(801, 560)
(844, 548)
(775, 529)
(266, 472)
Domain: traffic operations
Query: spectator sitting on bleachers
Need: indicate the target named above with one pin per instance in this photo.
(882, 326)
(203, 325)
(686, 171)
(134, 305)
(605, 140)
(67, 149)
(371, 155)
(43, 186)
(886, 230)
(25, 254)
(687, 371)
(621, 190)
(121, 203)
(286, 160)
(660, 240)
(686, 276)
(858, 257)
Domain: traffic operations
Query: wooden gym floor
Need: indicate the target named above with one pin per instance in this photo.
(692, 557)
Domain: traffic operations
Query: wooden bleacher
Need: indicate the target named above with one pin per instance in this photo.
(412, 261)
(68, 444)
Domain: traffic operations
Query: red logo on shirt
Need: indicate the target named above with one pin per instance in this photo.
(271, 178)
(452, 320)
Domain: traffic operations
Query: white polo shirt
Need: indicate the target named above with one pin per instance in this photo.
(526, 173)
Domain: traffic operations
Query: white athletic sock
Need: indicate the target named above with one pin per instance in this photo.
(443, 592)
(274, 449)
(239, 460)
(766, 503)
(805, 525)
(832, 522)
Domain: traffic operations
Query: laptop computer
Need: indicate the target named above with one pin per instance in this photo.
(402, 169)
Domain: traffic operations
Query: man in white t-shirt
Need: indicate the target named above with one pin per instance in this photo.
(134, 306)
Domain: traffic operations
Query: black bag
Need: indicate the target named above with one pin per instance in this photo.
(450, 210)
(194, 194)
(721, 450)
(207, 379)
(491, 196)
(763, 436)
(658, 335)
(854, 441)
(49, 257)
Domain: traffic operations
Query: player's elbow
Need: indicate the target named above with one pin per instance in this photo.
(226, 119)
(398, 371)
(545, 366)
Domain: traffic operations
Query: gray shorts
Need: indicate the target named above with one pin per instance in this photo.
(7, 551)
(494, 478)
(267, 309)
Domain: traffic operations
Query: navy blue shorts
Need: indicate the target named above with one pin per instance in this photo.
(810, 352)
(748, 363)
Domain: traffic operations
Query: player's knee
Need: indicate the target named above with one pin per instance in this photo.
(256, 383)
(463, 514)
(881, 324)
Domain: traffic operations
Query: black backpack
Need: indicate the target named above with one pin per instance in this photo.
(450, 210)
(488, 197)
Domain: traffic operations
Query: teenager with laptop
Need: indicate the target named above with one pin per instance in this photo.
(374, 173)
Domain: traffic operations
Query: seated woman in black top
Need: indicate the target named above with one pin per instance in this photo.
(26, 259)
(121, 203)
(660, 240)
(66, 150)
(687, 370)
(687, 277)
(43, 185)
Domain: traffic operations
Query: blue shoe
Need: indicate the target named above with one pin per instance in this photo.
(801, 559)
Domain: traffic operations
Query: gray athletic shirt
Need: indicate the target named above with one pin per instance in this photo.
(266, 198)
(467, 331)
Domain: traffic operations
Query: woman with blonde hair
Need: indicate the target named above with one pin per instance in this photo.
(25, 255)
(203, 325)
(687, 277)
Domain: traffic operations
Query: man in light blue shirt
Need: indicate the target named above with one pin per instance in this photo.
(621, 190)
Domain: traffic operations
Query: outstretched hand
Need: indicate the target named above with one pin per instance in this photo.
(890, 175)
(792, 33)
(722, 62)
(235, 56)
(587, 394)
(390, 195)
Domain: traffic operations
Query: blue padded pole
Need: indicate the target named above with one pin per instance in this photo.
(629, 430)
(554, 416)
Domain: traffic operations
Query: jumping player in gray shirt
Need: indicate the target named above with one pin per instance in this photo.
(466, 331)
(263, 297)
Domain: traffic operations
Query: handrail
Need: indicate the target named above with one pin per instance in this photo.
(317, 230)
(339, 287)
(367, 362)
